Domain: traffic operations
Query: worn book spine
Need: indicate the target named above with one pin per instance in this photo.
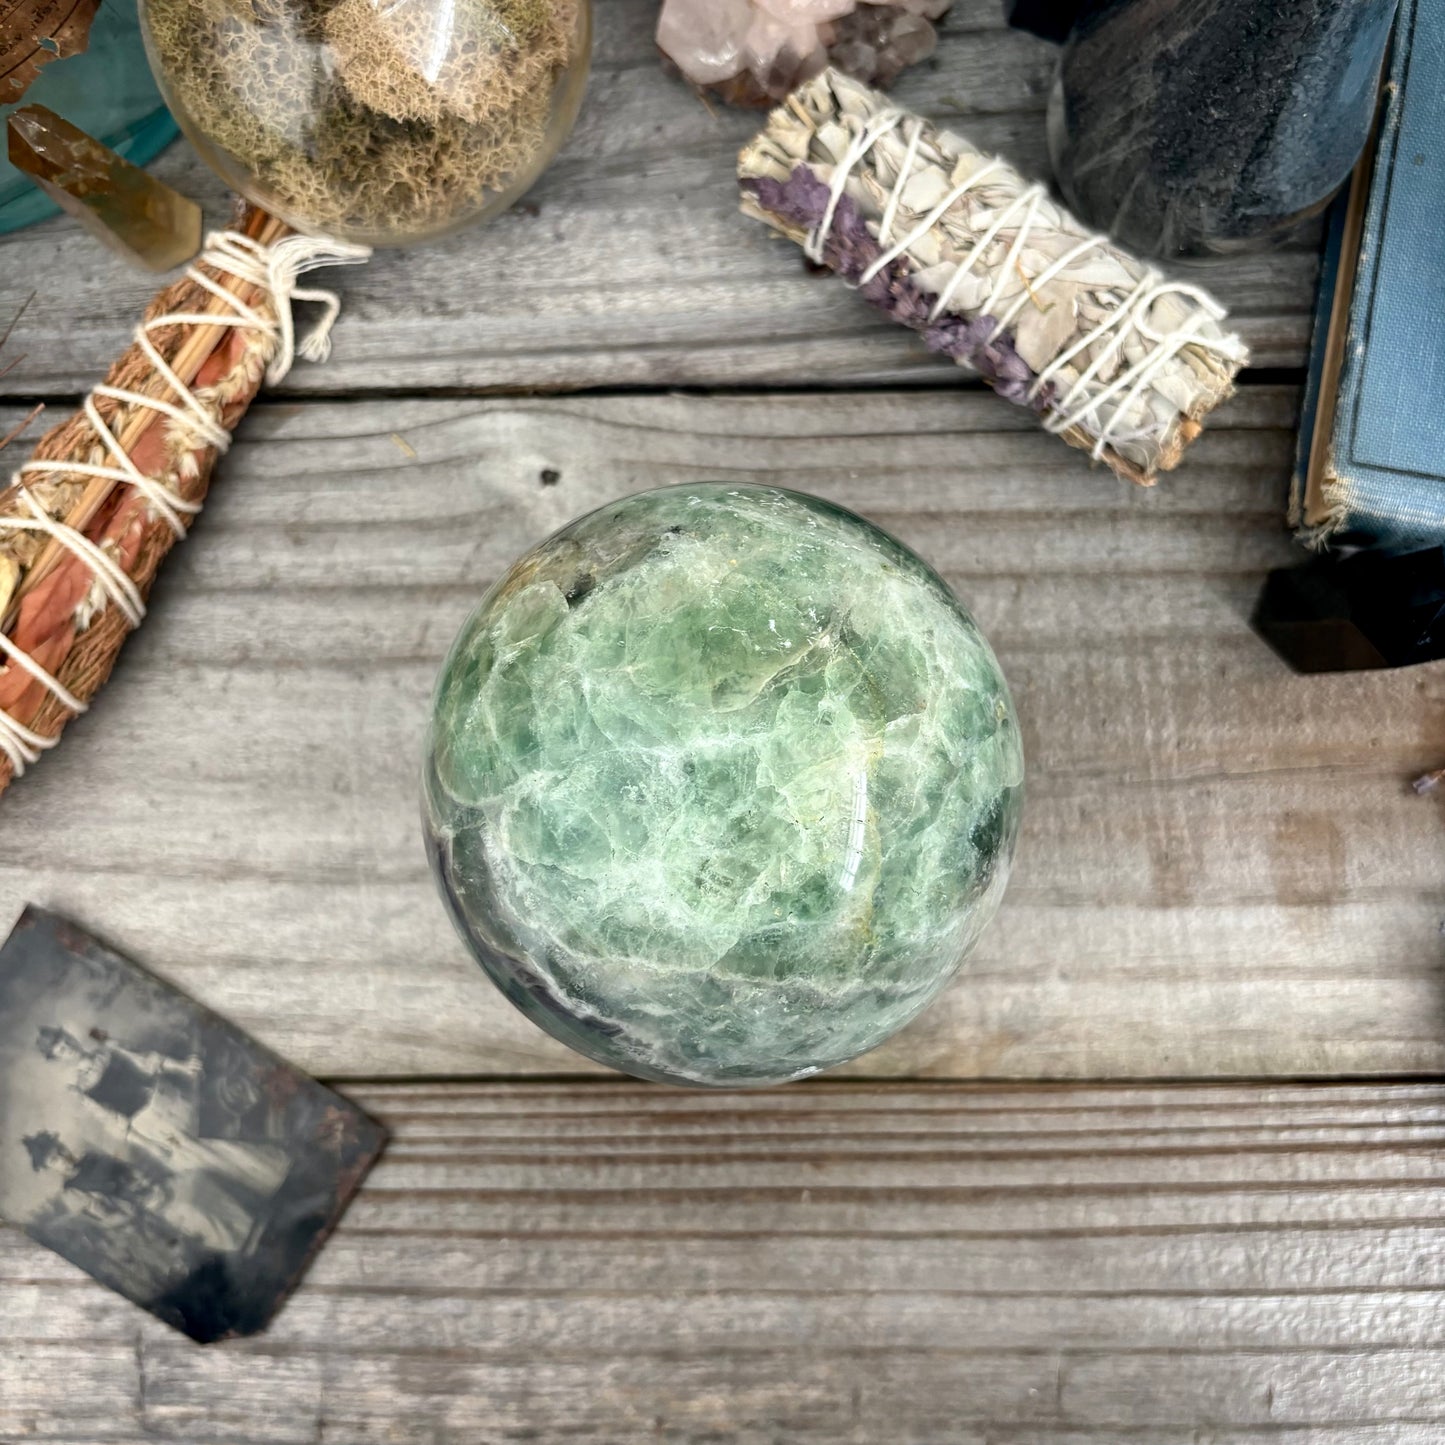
(1332, 309)
(1376, 465)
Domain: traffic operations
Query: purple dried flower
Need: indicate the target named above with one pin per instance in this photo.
(801, 199)
(851, 250)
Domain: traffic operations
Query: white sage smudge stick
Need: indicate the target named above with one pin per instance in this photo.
(994, 273)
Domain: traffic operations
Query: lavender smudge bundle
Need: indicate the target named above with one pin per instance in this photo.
(994, 273)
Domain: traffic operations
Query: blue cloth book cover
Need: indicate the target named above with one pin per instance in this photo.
(1380, 473)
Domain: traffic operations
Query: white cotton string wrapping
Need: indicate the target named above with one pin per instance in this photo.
(274, 270)
(1113, 356)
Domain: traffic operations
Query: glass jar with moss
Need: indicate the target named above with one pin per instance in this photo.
(378, 121)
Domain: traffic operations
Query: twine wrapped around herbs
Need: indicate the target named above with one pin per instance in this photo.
(79, 549)
(956, 245)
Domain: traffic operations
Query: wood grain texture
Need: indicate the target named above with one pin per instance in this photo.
(844, 1265)
(629, 264)
(1223, 871)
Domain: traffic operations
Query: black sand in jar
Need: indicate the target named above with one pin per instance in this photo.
(1205, 127)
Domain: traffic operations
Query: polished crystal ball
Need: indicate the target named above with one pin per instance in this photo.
(722, 784)
(379, 121)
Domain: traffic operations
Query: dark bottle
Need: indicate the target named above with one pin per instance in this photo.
(1205, 127)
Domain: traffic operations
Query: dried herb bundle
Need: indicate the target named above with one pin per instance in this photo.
(57, 608)
(958, 246)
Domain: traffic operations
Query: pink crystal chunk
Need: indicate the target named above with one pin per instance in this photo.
(753, 52)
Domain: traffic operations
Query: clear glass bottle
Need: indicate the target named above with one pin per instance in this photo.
(1206, 127)
(379, 121)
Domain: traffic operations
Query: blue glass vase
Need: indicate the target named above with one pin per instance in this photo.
(108, 92)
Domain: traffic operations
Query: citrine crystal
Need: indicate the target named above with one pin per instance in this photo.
(106, 89)
(722, 784)
(132, 212)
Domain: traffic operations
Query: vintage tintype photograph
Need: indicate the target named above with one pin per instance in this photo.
(156, 1146)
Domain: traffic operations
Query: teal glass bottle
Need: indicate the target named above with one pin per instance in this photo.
(107, 91)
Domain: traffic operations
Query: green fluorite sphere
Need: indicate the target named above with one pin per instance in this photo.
(722, 784)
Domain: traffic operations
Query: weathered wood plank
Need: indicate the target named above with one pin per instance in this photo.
(1041, 1266)
(629, 266)
(1223, 870)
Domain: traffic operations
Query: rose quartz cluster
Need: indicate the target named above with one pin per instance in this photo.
(753, 52)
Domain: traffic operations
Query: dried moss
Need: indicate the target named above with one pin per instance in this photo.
(348, 117)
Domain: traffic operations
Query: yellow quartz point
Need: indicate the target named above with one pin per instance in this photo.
(130, 211)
